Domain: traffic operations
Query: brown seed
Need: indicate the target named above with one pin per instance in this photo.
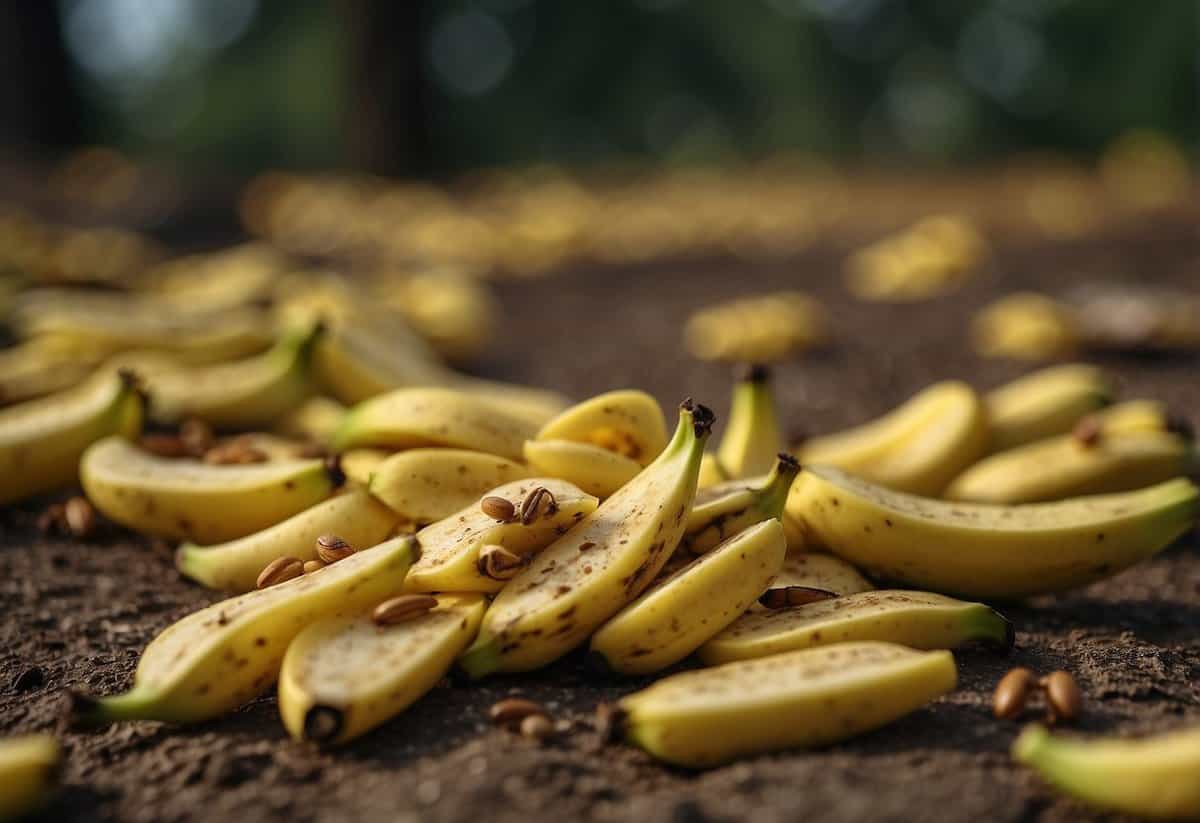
(539, 500)
(280, 570)
(785, 596)
(402, 608)
(497, 508)
(511, 711)
(537, 727)
(1088, 431)
(311, 566)
(79, 516)
(331, 548)
(196, 436)
(499, 563)
(53, 519)
(1064, 700)
(235, 453)
(1012, 693)
(163, 445)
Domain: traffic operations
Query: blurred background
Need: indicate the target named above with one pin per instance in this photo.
(437, 87)
(886, 151)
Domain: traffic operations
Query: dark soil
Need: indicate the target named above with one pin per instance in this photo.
(76, 615)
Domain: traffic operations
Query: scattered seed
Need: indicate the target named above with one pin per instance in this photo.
(52, 519)
(279, 570)
(1012, 693)
(1064, 700)
(498, 508)
(164, 445)
(785, 596)
(1088, 431)
(537, 727)
(311, 566)
(402, 608)
(80, 517)
(539, 500)
(331, 548)
(511, 711)
(498, 562)
(196, 436)
(237, 452)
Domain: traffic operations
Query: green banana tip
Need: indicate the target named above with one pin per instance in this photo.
(83, 710)
(1029, 741)
(481, 659)
(997, 630)
(752, 373)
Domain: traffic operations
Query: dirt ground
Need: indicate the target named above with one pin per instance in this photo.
(77, 615)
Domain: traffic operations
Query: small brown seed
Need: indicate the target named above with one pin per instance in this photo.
(280, 570)
(196, 436)
(539, 500)
(786, 596)
(1012, 693)
(163, 445)
(53, 519)
(79, 516)
(1088, 431)
(331, 548)
(237, 452)
(498, 508)
(511, 711)
(402, 608)
(537, 727)
(499, 563)
(311, 566)
(1064, 700)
